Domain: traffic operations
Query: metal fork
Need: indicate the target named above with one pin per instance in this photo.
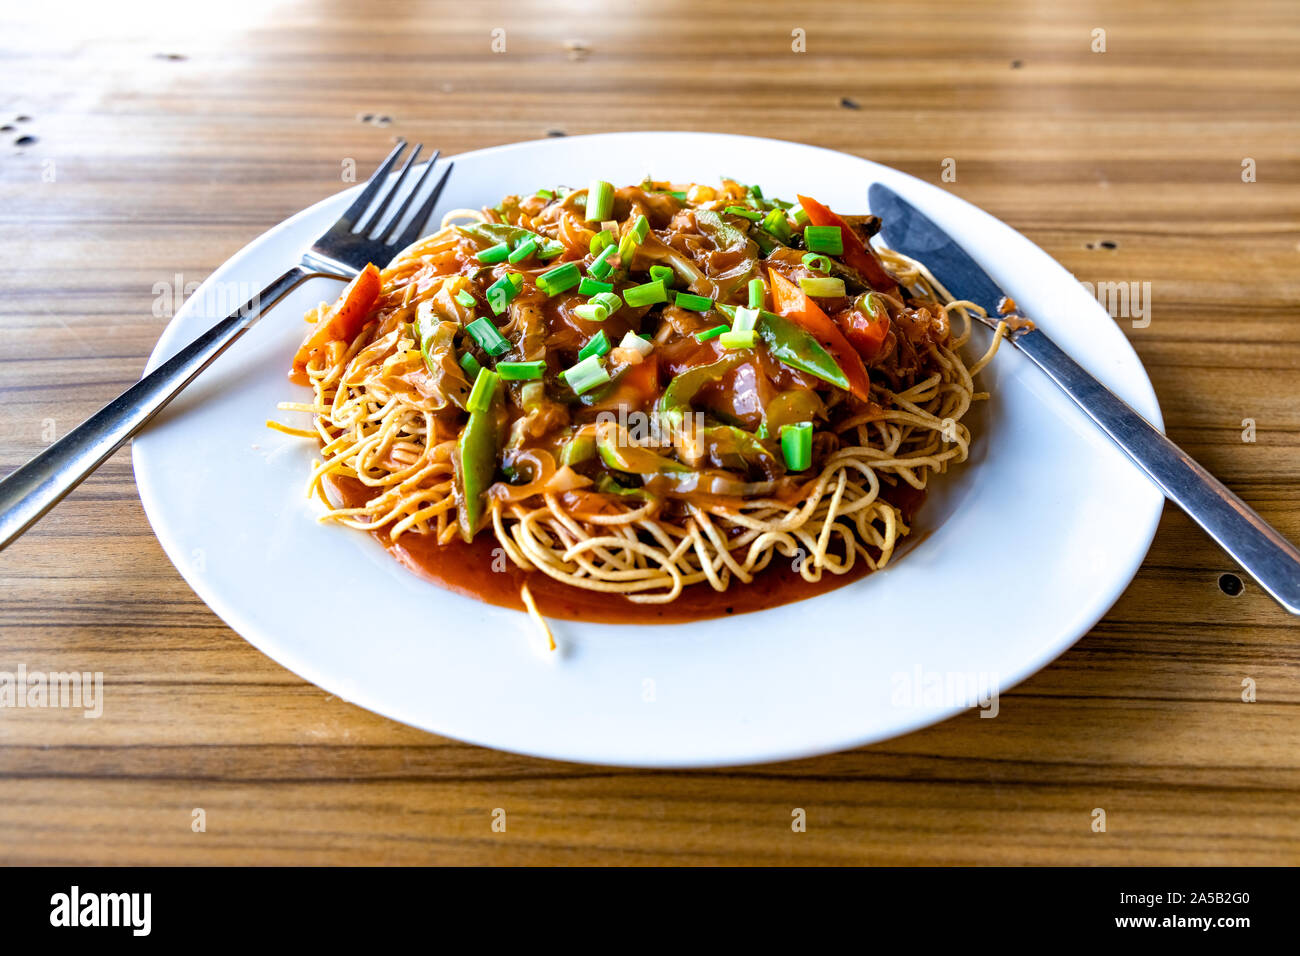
(343, 251)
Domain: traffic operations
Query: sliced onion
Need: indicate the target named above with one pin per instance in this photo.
(720, 483)
(548, 479)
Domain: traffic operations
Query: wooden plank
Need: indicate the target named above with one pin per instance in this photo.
(172, 148)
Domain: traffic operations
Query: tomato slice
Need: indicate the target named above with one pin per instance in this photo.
(866, 334)
(643, 378)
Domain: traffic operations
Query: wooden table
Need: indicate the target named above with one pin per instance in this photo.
(156, 145)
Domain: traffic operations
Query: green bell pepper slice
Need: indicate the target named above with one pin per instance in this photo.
(476, 460)
(793, 345)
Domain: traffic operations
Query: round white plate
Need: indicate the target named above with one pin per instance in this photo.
(1021, 550)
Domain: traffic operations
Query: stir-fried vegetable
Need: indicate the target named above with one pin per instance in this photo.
(676, 400)
(343, 321)
(790, 344)
(492, 233)
(618, 451)
(528, 308)
(855, 254)
(476, 453)
(726, 446)
(793, 303)
(866, 325)
(437, 341)
(796, 445)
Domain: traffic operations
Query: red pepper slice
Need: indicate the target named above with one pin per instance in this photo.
(857, 254)
(794, 304)
(341, 323)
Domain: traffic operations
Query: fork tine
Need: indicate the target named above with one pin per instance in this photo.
(378, 213)
(422, 214)
(415, 191)
(376, 180)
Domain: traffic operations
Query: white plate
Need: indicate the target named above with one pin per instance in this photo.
(1028, 544)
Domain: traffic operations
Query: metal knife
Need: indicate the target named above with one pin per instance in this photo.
(1260, 550)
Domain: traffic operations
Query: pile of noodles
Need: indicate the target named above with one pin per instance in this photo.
(374, 428)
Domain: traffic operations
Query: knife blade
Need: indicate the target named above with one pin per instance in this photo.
(907, 230)
(1260, 549)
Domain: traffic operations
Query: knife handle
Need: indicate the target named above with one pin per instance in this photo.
(1260, 550)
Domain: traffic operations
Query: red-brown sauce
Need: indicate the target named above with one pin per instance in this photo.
(478, 570)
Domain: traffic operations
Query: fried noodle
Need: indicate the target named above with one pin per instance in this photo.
(387, 416)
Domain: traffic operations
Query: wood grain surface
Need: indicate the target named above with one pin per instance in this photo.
(138, 143)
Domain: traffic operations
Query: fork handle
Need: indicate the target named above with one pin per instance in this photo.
(38, 485)
(1255, 545)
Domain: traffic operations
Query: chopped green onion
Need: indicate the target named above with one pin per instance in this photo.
(465, 298)
(662, 273)
(500, 293)
(546, 194)
(589, 286)
(600, 200)
(680, 196)
(586, 375)
(756, 192)
(817, 262)
(521, 371)
(756, 293)
(484, 390)
(750, 214)
(870, 303)
(598, 344)
(761, 431)
(823, 287)
(777, 224)
(798, 215)
(648, 293)
(470, 364)
(745, 320)
(737, 340)
(696, 303)
(712, 333)
(635, 343)
(523, 250)
(609, 300)
(600, 266)
(550, 248)
(796, 445)
(493, 254)
(600, 240)
(491, 341)
(559, 279)
(824, 239)
(626, 247)
(599, 307)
